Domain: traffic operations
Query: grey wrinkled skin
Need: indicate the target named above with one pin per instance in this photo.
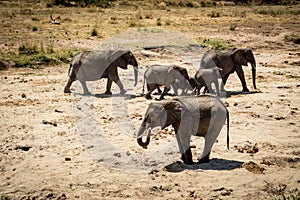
(167, 76)
(202, 116)
(230, 61)
(204, 78)
(94, 65)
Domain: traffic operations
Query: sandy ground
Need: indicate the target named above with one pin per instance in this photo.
(59, 146)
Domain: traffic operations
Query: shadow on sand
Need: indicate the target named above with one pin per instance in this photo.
(126, 96)
(213, 164)
(233, 93)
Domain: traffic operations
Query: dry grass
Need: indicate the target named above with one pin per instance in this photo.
(28, 22)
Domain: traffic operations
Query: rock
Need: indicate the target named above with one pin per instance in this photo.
(67, 159)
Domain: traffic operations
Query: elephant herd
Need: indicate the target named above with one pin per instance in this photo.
(198, 115)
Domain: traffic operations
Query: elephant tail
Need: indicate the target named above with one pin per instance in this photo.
(143, 86)
(70, 69)
(227, 113)
(144, 82)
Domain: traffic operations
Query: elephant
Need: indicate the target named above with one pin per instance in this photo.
(202, 116)
(94, 65)
(230, 61)
(164, 75)
(205, 77)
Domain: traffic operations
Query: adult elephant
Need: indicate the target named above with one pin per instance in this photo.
(230, 61)
(200, 116)
(165, 75)
(94, 65)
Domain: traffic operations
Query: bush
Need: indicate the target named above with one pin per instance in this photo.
(292, 38)
(214, 14)
(278, 2)
(94, 32)
(158, 22)
(84, 3)
(28, 49)
(2, 65)
(232, 27)
(214, 43)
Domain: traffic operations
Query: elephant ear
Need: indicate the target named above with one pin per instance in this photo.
(182, 71)
(179, 69)
(239, 57)
(174, 107)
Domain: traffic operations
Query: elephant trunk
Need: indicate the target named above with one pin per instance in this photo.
(253, 64)
(140, 134)
(135, 68)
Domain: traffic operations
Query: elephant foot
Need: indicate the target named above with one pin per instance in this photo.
(108, 93)
(204, 159)
(161, 98)
(123, 92)
(148, 96)
(87, 93)
(187, 157)
(66, 90)
(245, 90)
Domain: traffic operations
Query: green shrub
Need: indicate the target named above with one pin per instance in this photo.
(278, 2)
(94, 32)
(132, 23)
(34, 28)
(28, 49)
(84, 3)
(2, 65)
(292, 38)
(158, 22)
(214, 14)
(214, 43)
(232, 27)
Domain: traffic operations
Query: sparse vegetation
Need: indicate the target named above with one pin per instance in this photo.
(29, 55)
(158, 22)
(214, 43)
(281, 191)
(94, 31)
(232, 27)
(83, 3)
(292, 38)
(214, 14)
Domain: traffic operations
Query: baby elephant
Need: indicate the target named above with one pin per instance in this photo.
(165, 75)
(205, 77)
(200, 116)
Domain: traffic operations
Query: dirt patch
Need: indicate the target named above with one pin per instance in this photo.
(253, 167)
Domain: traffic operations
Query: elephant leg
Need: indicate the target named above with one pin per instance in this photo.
(166, 90)
(121, 87)
(217, 87)
(108, 86)
(205, 90)
(209, 88)
(113, 76)
(224, 80)
(67, 87)
(158, 89)
(70, 81)
(240, 73)
(150, 87)
(85, 89)
(118, 82)
(175, 88)
(184, 148)
(217, 122)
